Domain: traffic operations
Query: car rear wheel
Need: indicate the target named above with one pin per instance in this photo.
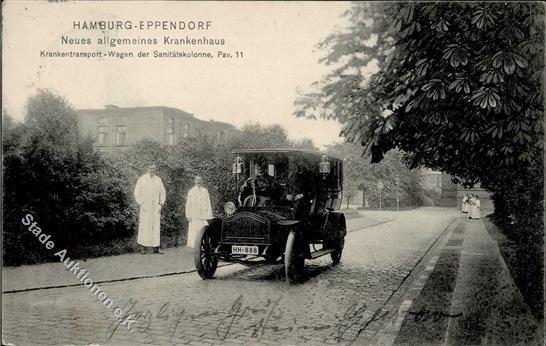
(206, 260)
(337, 229)
(338, 249)
(294, 261)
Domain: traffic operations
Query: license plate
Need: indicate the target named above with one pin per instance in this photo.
(244, 250)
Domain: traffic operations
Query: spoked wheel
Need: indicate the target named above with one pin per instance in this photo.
(206, 260)
(294, 261)
(338, 249)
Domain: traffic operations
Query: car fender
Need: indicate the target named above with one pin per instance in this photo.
(288, 222)
(215, 226)
(215, 222)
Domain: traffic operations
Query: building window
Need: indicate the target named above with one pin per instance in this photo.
(103, 121)
(186, 131)
(120, 136)
(103, 134)
(170, 130)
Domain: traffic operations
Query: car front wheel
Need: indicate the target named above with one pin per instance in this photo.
(206, 260)
(294, 261)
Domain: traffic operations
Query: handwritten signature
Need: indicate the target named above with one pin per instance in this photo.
(265, 315)
(261, 318)
(354, 320)
(424, 315)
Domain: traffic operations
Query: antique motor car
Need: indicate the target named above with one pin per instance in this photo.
(284, 210)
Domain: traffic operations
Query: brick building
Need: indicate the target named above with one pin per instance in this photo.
(116, 128)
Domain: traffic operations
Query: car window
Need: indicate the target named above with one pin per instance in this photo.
(271, 169)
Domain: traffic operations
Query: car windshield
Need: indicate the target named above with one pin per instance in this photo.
(270, 180)
(278, 179)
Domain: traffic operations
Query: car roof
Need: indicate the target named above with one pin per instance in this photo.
(283, 151)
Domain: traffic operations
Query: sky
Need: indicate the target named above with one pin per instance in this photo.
(278, 41)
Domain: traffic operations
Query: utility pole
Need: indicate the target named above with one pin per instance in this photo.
(397, 192)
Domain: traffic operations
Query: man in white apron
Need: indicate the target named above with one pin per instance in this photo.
(150, 196)
(198, 210)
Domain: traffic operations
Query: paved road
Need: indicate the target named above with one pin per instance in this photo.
(335, 305)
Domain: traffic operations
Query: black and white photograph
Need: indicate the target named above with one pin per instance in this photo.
(272, 173)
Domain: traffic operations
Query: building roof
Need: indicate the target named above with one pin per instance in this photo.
(282, 151)
(116, 109)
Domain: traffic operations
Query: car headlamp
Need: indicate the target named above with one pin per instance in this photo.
(230, 208)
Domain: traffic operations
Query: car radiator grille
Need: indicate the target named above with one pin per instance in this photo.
(246, 227)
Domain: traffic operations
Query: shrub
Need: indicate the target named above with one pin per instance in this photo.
(57, 176)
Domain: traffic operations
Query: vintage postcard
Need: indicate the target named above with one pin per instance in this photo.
(272, 173)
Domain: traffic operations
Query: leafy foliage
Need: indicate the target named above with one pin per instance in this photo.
(457, 81)
(396, 178)
(55, 175)
(459, 88)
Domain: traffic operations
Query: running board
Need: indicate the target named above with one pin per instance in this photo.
(319, 253)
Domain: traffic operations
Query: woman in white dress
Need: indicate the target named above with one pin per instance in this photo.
(470, 206)
(464, 206)
(475, 212)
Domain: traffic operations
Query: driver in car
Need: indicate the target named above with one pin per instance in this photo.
(259, 190)
(264, 185)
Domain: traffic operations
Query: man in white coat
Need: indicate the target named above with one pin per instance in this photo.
(198, 210)
(150, 196)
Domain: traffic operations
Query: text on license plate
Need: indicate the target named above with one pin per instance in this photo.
(244, 250)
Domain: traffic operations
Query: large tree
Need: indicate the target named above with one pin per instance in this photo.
(458, 87)
(395, 177)
(458, 83)
(254, 135)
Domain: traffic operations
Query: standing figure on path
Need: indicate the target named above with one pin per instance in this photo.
(150, 196)
(465, 205)
(470, 205)
(475, 212)
(198, 210)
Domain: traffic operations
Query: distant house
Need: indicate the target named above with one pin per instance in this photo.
(431, 180)
(451, 194)
(116, 128)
